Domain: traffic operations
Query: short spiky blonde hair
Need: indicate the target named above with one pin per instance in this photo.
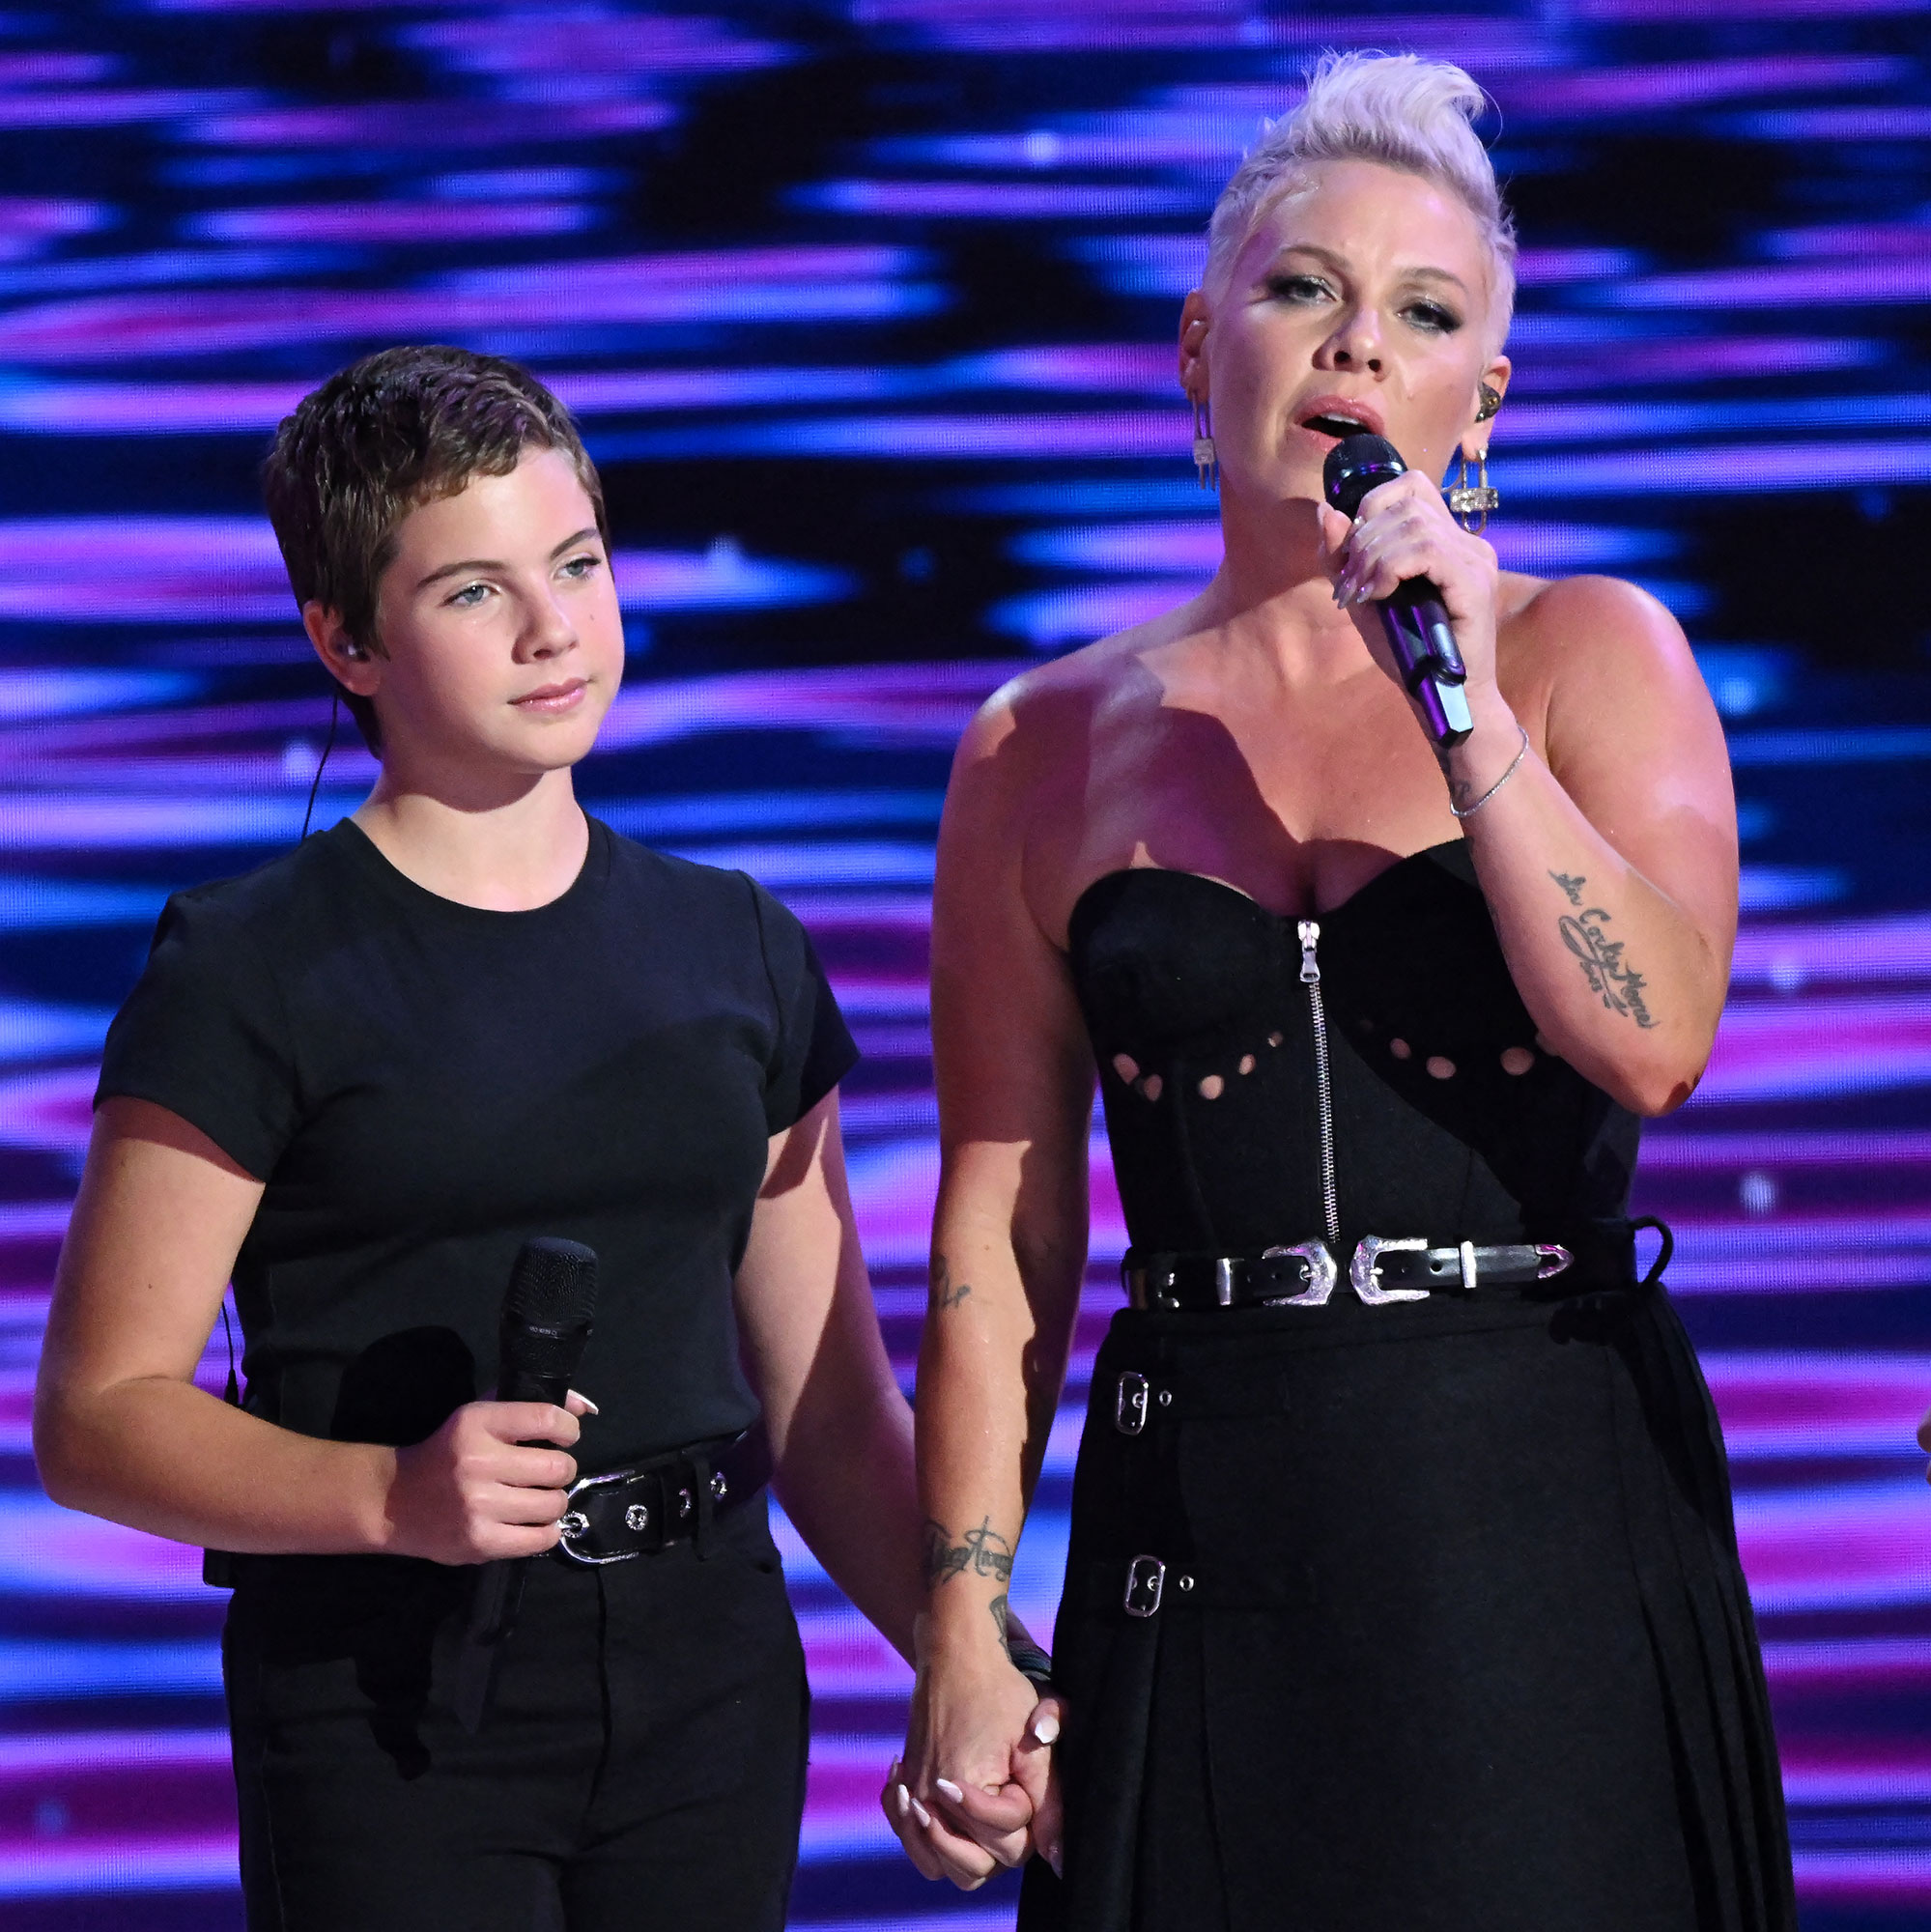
(1398, 109)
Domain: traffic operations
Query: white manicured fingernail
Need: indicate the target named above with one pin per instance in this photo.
(1046, 1729)
(920, 1812)
(949, 1788)
(589, 1407)
(904, 1800)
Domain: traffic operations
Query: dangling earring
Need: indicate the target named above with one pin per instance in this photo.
(1466, 501)
(1206, 458)
(1470, 505)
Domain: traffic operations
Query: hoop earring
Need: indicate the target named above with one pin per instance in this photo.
(1470, 505)
(1206, 458)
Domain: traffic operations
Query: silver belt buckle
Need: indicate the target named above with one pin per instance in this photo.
(1552, 1258)
(1130, 1404)
(1146, 1578)
(574, 1522)
(1364, 1273)
(1319, 1269)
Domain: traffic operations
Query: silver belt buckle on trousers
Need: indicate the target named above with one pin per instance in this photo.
(574, 1522)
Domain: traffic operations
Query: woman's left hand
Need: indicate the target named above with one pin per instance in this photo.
(1404, 529)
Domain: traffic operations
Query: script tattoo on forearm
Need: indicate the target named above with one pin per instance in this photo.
(1618, 984)
(946, 1291)
(979, 1553)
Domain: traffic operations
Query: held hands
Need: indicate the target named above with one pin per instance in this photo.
(474, 1491)
(1404, 529)
(976, 1791)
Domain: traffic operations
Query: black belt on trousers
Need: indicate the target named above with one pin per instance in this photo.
(1383, 1269)
(636, 1508)
(633, 1509)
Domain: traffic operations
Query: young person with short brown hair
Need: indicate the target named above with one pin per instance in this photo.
(356, 1081)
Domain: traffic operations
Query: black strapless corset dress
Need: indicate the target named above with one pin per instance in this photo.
(1453, 1637)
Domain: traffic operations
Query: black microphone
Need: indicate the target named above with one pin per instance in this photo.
(545, 1322)
(547, 1311)
(1415, 623)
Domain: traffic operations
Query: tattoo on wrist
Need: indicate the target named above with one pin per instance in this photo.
(998, 1607)
(946, 1291)
(979, 1553)
(1617, 984)
(1459, 790)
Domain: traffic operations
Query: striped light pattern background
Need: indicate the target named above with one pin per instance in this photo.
(866, 306)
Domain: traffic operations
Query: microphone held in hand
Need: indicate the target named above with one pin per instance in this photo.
(552, 1294)
(545, 1322)
(1413, 619)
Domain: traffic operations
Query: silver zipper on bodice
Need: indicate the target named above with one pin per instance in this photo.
(1310, 932)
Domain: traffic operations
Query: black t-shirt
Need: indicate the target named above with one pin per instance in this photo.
(423, 1085)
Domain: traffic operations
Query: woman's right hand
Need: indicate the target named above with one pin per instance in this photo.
(477, 1489)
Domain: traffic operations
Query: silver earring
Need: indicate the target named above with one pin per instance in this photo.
(1470, 503)
(1206, 458)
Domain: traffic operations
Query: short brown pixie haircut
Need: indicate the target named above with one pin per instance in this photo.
(394, 431)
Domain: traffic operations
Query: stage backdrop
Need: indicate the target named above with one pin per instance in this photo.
(867, 310)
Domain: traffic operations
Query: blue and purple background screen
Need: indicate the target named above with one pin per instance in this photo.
(867, 310)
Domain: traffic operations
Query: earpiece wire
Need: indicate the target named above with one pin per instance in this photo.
(327, 746)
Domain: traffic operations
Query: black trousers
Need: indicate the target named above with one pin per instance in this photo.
(641, 1765)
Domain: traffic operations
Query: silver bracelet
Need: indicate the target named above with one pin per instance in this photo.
(1470, 812)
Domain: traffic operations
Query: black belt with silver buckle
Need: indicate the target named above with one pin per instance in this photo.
(636, 1508)
(1381, 1270)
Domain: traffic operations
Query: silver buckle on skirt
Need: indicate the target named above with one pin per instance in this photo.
(1146, 1578)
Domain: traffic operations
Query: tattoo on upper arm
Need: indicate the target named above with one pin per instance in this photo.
(1618, 984)
(946, 1291)
(979, 1553)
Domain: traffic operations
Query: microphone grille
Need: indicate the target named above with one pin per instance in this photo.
(553, 1284)
(1354, 465)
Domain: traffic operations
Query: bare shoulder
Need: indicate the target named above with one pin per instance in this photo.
(1582, 638)
(1577, 617)
(1030, 724)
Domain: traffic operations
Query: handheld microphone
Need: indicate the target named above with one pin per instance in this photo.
(545, 1322)
(1416, 625)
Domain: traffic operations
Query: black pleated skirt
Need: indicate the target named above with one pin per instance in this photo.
(1452, 1633)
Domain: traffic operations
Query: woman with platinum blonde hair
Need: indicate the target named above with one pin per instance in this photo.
(1403, 1588)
